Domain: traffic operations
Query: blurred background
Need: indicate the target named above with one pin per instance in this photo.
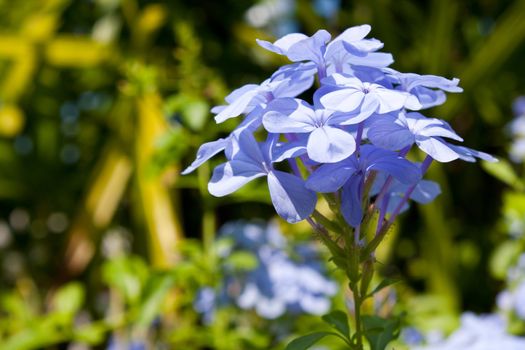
(104, 102)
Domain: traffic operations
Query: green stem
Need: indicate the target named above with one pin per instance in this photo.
(357, 317)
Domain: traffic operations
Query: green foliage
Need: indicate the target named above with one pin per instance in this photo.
(307, 341)
(379, 331)
(338, 320)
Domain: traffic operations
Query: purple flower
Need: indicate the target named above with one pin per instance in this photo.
(247, 161)
(366, 98)
(347, 49)
(428, 88)
(351, 173)
(405, 129)
(288, 278)
(326, 142)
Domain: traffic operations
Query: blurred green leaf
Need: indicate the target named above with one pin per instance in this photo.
(126, 274)
(69, 298)
(157, 289)
(91, 334)
(504, 172)
(503, 258)
(242, 260)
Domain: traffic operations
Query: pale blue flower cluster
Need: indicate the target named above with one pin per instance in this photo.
(361, 121)
(287, 279)
(512, 300)
(517, 131)
(486, 332)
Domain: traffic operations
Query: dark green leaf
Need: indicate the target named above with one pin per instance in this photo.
(379, 331)
(383, 284)
(339, 320)
(306, 341)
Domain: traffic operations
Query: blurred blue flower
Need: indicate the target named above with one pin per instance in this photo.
(287, 279)
(512, 300)
(486, 332)
(327, 8)
(516, 129)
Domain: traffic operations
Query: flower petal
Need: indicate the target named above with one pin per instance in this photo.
(282, 45)
(385, 133)
(330, 145)
(230, 176)
(351, 200)
(291, 199)
(205, 152)
(275, 121)
(330, 177)
(344, 100)
(437, 149)
(237, 107)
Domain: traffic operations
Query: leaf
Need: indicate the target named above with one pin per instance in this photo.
(503, 257)
(159, 286)
(504, 172)
(69, 298)
(91, 334)
(338, 320)
(383, 284)
(307, 341)
(379, 331)
(242, 260)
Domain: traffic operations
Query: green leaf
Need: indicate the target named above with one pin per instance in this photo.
(69, 298)
(91, 334)
(504, 172)
(127, 274)
(159, 286)
(242, 260)
(307, 341)
(338, 320)
(379, 331)
(383, 284)
(503, 257)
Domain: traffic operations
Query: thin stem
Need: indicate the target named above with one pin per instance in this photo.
(424, 167)
(357, 317)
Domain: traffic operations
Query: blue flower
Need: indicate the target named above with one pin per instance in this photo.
(289, 81)
(405, 129)
(486, 332)
(364, 97)
(348, 49)
(326, 142)
(360, 101)
(247, 161)
(350, 175)
(429, 89)
(287, 279)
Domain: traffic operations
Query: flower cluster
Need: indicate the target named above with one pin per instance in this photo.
(517, 131)
(351, 138)
(285, 278)
(479, 333)
(512, 300)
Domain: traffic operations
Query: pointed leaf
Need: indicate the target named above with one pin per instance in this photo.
(338, 320)
(383, 284)
(306, 341)
(379, 331)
